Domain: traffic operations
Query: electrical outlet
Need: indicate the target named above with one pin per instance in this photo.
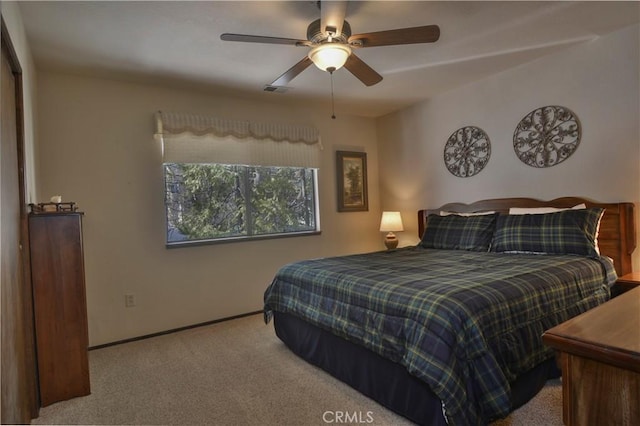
(129, 300)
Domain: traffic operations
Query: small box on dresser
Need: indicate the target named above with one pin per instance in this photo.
(60, 308)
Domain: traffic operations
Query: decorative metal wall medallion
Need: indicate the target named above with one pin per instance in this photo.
(547, 136)
(467, 151)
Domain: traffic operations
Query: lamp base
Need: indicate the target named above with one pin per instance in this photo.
(391, 241)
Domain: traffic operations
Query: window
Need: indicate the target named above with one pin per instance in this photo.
(217, 201)
(232, 180)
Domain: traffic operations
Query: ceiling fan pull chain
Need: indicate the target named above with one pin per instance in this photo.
(333, 107)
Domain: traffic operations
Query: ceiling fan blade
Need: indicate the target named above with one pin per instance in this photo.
(263, 39)
(426, 34)
(332, 15)
(362, 71)
(292, 72)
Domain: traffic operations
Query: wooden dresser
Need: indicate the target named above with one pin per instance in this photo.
(60, 308)
(600, 360)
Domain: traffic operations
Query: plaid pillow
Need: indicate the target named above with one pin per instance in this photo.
(454, 232)
(565, 232)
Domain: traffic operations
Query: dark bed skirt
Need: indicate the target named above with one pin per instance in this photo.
(382, 380)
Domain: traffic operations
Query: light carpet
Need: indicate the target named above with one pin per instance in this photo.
(235, 372)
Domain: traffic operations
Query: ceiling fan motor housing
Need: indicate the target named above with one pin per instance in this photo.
(315, 34)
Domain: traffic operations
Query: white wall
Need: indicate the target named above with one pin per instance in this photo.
(597, 80)
(97, 149)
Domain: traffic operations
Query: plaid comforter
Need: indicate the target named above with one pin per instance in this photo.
(467, 323)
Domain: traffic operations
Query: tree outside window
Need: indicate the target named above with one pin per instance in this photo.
(220, 201)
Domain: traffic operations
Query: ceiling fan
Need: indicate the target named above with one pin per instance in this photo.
(332, 44)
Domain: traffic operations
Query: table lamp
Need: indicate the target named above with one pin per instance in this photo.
(391, 222)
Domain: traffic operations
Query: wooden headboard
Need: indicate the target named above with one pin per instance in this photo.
(617, 237)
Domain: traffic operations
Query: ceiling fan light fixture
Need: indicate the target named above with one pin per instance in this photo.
(330, 55)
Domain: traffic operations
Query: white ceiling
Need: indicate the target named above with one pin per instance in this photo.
(178, 43)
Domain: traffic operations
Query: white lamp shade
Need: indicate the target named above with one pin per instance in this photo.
(391, 222)
(330, 55)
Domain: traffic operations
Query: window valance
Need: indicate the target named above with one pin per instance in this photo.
(172, 123)
(188, 138)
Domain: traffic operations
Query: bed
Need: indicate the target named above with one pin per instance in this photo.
(448, 331)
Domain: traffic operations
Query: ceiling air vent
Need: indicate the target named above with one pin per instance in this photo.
(276, 89)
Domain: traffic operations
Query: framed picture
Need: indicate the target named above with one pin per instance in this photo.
(351, 170)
